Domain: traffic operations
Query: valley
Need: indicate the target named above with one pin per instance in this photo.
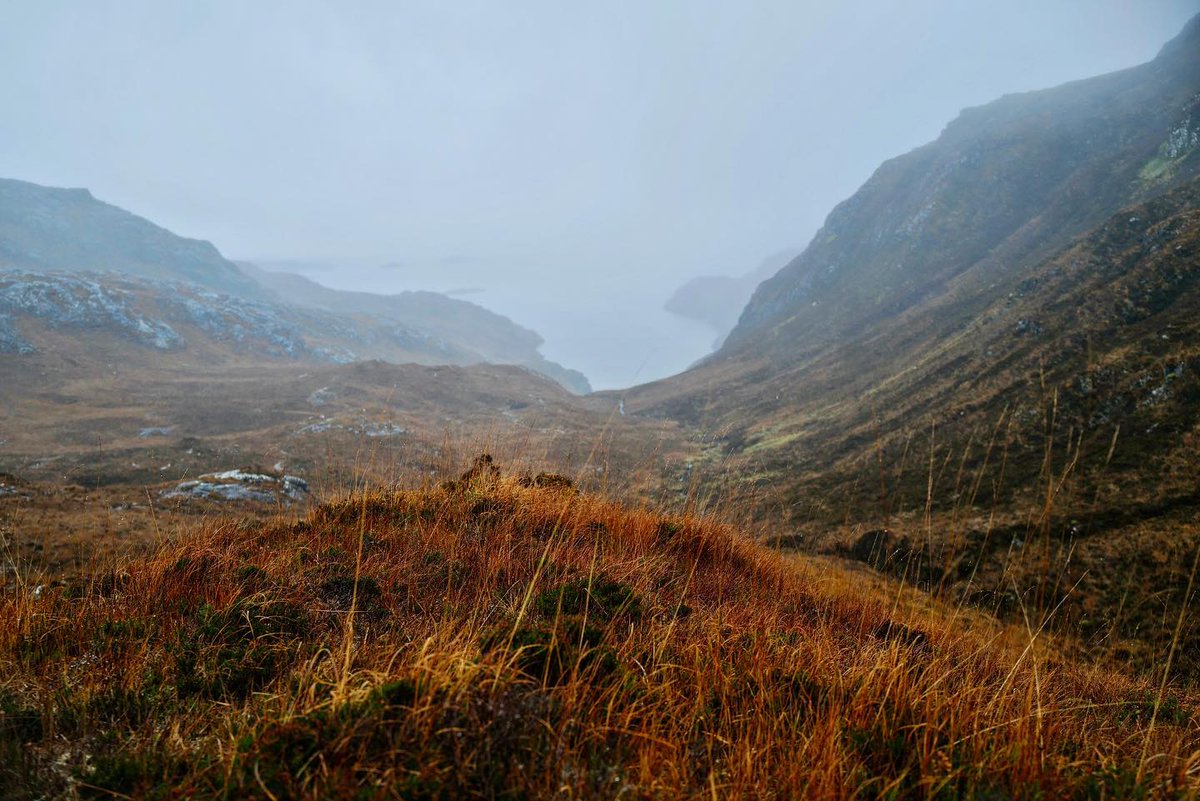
(925, 524)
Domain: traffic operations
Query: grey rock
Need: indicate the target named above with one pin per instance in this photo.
(242, 485)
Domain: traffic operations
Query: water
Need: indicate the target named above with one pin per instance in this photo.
(614, 332)
(617, 340)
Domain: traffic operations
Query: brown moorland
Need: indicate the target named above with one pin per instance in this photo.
(512, 637)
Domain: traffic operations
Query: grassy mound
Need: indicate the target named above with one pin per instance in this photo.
(499, 638)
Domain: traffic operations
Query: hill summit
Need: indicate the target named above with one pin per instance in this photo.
(47, 229)
(512, 637)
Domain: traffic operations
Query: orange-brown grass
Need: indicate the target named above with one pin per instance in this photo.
(495, 638)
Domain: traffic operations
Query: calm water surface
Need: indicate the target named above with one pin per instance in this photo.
(616, 334)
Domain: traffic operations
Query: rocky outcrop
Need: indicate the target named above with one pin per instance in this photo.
(179, 317)
(75, 302)
(243, 486)
(99, 265)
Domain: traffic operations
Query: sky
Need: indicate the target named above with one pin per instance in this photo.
(570, 163)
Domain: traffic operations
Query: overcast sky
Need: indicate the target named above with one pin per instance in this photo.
(575, 160)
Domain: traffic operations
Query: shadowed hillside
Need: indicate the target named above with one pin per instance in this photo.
(1002, 188)
(981, 376)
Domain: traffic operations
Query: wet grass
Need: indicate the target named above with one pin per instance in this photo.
(505, 639)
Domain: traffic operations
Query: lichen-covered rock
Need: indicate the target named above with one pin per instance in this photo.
(155, 431)
(11, 340)
(242, 485)
(75, 302)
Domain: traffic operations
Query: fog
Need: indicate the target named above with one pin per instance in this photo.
(565, 164)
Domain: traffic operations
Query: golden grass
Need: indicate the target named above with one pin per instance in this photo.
(495, 640)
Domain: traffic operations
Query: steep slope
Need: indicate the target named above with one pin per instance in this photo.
(491, 337)
(1002, 187)
(872, 334)
(1001, 401)
(48, 229)
(1106, 332)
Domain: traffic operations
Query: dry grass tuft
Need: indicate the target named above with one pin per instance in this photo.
(500, 638)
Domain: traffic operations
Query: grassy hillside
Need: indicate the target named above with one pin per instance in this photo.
(1003, 187)
(509, 637)
(1037, 439)
(91, 446)
(1024, 284)
(71, 263)
(84, 317)
(50, 229)
(1101, 336)
(981, 375)
(485, 335)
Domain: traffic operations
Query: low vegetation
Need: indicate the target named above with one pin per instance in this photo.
(503, 638)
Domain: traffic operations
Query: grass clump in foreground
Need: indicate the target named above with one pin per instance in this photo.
(494, 638)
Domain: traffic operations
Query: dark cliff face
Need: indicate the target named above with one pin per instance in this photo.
(49, 229)
(1005, 185)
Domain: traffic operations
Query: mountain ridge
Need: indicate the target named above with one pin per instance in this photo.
(1005, 183)
(831, 374)
(88, 249)
(51, 229)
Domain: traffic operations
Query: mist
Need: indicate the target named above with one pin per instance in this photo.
(565, 165)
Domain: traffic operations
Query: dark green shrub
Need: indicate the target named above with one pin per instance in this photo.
(600, 598)
(231, 653)
(553, 653)
(150, 775)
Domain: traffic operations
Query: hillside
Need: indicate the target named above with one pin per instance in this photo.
(500, 637)
(1003, 187)
(1065, 412)
(491, 337)
(121, 423)
(1105, 332)
(999, 401)
(810, 392)
(45, 229)
(93, 453)
(69, 262)
(924, 525)
(82, 316)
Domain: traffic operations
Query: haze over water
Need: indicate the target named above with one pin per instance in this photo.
(577, 318)
(590, 157)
